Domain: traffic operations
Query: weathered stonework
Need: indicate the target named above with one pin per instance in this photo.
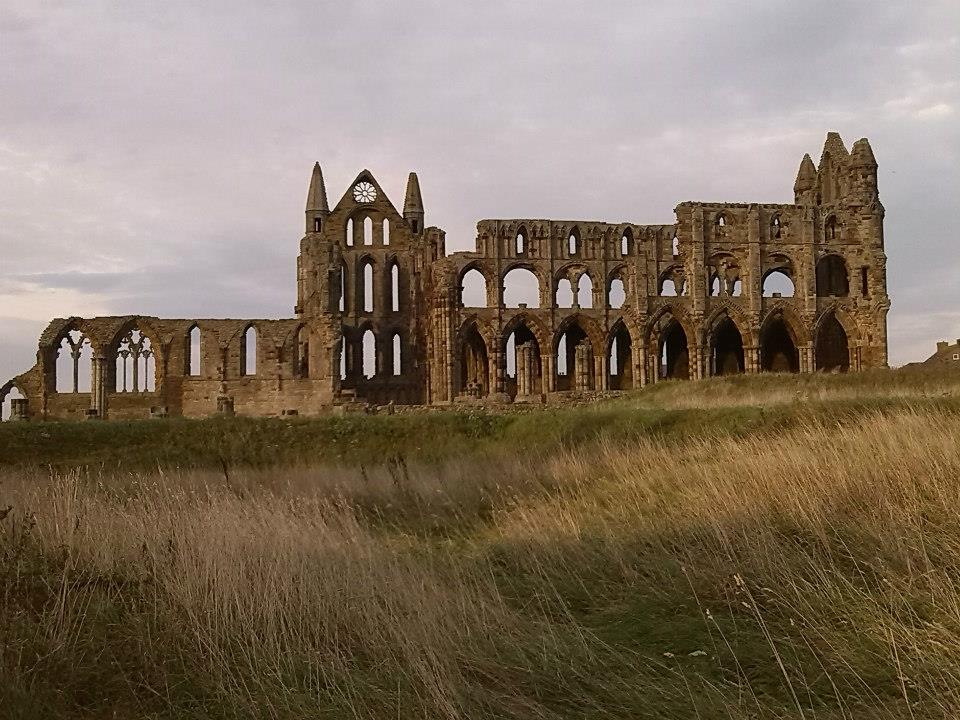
(645, 302)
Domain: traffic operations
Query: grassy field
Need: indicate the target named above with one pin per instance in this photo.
(765, 547)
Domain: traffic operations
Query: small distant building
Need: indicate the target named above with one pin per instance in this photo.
(947, 354)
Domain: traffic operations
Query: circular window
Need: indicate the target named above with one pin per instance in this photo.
(364, 192)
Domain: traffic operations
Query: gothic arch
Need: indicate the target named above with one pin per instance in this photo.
(595, 334)
(736, 315)
(540, 333)
(791, 318)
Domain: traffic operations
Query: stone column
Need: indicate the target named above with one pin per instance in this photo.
(524, 371)
(751, 359)
(640, 368)
(583, 363)
(19, 409)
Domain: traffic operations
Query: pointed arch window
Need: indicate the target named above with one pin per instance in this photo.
(397, 360)
(248, 351)
(349, 237)
(368, 286)
(386, 231)
(135, 364)
(193, 351)
(395, 286)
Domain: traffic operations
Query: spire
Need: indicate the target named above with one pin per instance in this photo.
(862, 155)
(413, 204)
(806, 176)
(317, 195)
(317, 206)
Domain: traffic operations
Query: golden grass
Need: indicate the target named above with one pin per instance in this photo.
(814, 574)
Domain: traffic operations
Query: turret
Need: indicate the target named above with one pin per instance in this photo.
(317, 207)
(863, 171)
(413, 204)
(803, 188)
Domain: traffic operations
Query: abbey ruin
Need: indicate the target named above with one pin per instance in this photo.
(382, 316)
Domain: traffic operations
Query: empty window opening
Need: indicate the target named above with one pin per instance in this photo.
(521, 245)
(343, 357)
(397, 364)
(6, 407)
(673, 357)
(395, 287)
(415, 226)
(386, 231)
(736, 290)
(369, 354)
(714, 285)
(350, 232)
(832, 278)
(74, 364)
(523, 367)
(585, 291)
(135, 364)
(721, 220)
(474, 367)
(726, 349)
(777, 283)
(775, 226)
(564, 296)
(193, 352)
(617, 295)
(831, 346)
(668, 288)
(676, 246)
(620, 359)
(368, 231)
(830, 231)
(521, 287)
(573, 242)
(864, 282)
(301, 357)
(626, 240)
(342, 304)
(778, 351)
(473, 289)
(248, 352)
(573, 360)
(368, 286)
(317, 224)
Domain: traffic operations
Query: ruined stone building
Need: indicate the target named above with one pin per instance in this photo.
(381, 314)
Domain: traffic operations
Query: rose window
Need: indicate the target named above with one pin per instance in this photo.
(364, 192)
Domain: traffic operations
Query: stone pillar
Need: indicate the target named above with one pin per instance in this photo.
(98, 386)
(807, 360)
(751, 359)
(640, 369)
(524, 372)
(550, 367)
(604, 373)
(498, 359)
(584, 367)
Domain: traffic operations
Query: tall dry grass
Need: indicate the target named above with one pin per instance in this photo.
(813, 574)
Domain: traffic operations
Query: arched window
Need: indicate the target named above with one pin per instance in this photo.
(397, 363)
(676, 246)
(367, 286)
(626, 241)
(585, 291)
(668, 288)
(6, 406)
(737, 289)
(521, 287)
(74, 363)
(350, 232)
(369, 354)
(135, 364)
(342, 304)
(343, 356)
(301, 348)
(394, 286)
(473, 289)
(830, 230)
(386, 231)
(714, 285)
(573, 242)
(368, 230)
(193, 352)
(721, 220)
(778, 283)
(317, 224)
(521, 246)
(775, 227)
(617, 294)
(248, 351)
(832, 278)
(564, 295)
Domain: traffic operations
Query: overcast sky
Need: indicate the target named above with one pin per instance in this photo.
(154, 157)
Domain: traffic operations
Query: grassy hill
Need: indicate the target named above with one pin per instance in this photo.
(764, 547)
